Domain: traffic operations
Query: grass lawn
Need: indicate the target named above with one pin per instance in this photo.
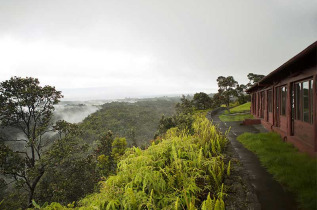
(239, 113)
(238, 117)
(242, 108)
(296, 170)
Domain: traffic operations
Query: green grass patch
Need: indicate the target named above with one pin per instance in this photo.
(202, 112)
(238, 113)
(242, 108)
(238, 117)
(296, 170)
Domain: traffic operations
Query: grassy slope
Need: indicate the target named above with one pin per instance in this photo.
(176, 173)
(239, 113)
(242, 108)
(238, 117)
(295, 170)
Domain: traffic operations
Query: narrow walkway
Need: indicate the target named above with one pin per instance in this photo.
(271, 195)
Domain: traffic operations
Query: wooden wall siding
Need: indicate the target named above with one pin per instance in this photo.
(304, 132)
(271, 118)
(315, 109)
(283, 123)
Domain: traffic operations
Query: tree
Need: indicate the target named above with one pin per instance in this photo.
(217, 100)
(242, 96)
(165, 124)
(132, 137)
(201, 101)
(119, 146)
(254, 78)
(185, 107)
(103, 152)
(227, 87)
(71, 169)
(28, 107)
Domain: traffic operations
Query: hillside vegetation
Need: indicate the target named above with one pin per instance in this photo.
(181, 171)
(137, 122)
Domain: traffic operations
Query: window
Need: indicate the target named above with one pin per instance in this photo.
(304, 101)
(269, 101)
(297, 101)
(283, 100)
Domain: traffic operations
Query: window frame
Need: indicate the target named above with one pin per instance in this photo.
(280, 106)
(299, 107)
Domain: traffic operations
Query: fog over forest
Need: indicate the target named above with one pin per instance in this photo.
(75, 112)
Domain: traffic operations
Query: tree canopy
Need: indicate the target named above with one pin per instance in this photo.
(254, 78)
(227, 87)
(201, 101)
(28, 107)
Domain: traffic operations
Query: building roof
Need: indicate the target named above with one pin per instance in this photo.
(303, 60)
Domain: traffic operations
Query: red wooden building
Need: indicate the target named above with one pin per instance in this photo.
(286, 100)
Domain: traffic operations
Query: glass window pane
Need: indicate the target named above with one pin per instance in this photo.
(283, 101)
(269, 101)
(306, 101)
(277, 100)
(297, 101)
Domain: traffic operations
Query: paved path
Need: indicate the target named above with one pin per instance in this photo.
(271, 195)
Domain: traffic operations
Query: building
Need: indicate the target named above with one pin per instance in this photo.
(285, 100)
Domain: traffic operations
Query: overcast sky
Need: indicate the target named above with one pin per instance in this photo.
(132, 48)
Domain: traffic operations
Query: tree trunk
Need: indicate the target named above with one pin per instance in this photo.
(32, 188)
(30, 204)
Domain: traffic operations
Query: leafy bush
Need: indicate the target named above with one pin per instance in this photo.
(179, 172)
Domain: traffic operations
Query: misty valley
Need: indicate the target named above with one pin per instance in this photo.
(133, 153)
(66, 154)
(84, 131)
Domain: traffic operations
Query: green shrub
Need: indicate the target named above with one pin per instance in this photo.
(179, 172)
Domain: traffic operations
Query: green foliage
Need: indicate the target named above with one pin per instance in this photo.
(176, 173)
(183, 118)
(201, 101)
(27, 107)
(137, 122)
(229, 168)
(217, 100)
(241, 94)
(106, 164)
(119, 146)
(226, 89)
(15, 199)
(296, 171)
(165, 124)
(185, 106)
(71, 169)
(254, 78)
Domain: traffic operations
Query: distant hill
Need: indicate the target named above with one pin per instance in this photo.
(136, 121)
